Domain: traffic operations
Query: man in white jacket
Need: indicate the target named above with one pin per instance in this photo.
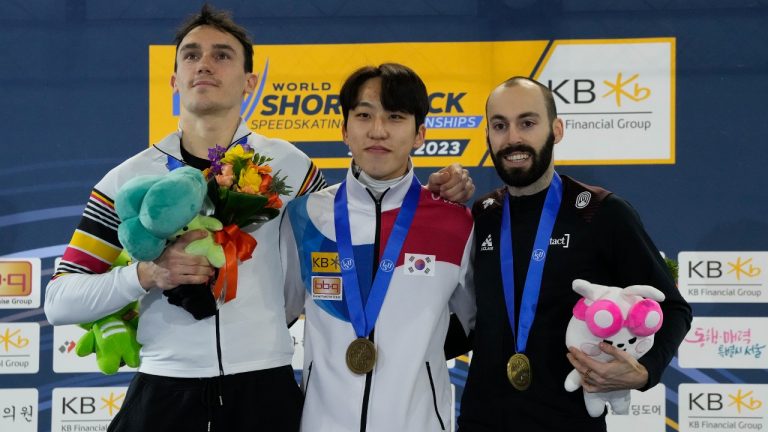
(378, 263)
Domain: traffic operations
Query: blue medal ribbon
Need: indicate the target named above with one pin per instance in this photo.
(172, 163)
(364, 317)
(535, 267)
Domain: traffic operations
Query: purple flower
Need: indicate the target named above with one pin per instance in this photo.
(215, 155)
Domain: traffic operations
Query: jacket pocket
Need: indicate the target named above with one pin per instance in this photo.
(434, 396)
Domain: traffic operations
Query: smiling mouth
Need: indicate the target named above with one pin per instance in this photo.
(517, 157)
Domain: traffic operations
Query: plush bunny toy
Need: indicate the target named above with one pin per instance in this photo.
(625, 318)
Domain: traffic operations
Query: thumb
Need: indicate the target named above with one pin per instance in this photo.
(618, 354)
(191, 236)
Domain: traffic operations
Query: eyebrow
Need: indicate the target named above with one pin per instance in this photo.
(195, 45)
(364, 104)
(520, 116)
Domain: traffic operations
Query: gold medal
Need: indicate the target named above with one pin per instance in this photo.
(361, 356)
(519, 371)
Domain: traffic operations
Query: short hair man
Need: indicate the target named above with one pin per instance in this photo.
(606, 245)
(396, 265)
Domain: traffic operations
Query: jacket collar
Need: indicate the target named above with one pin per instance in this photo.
(358, 195)
(171, 145)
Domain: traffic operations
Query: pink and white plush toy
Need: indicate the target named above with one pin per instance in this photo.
(625, 318)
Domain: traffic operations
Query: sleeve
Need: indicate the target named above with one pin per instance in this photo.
(463, 306)
(313, 180)
(462, 301)
(84, 287)
(294, 290)
(636, 260)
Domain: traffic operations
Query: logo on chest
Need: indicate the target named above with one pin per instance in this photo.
(327, 288)
(419, 265)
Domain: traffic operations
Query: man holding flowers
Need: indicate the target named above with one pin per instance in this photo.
(229, 371)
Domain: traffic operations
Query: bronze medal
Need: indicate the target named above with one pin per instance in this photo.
(519, 371)
(361, 356)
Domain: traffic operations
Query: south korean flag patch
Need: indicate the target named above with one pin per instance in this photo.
(419, 265)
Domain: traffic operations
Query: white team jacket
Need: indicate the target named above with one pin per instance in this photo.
(409, 388)
(252, 330)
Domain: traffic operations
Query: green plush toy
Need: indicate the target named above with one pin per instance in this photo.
(113, 337)
(206, 247)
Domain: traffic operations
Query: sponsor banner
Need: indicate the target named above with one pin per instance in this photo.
(722, 407)
(18, 410)
(616, 99)
(727, 343)
(19, 348)
(85, 408)
(65, 360)
(647, 412)
(617, 96)
(19, 283)
(723, 277)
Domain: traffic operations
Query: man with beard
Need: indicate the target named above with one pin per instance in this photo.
(557, 230)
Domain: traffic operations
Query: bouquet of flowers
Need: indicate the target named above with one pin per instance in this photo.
(242, 190)
(241, 186)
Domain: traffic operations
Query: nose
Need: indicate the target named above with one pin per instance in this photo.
(378, 128)
(204, 65)
(513, 137)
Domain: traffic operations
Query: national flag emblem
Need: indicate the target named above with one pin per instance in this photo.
(419, 265)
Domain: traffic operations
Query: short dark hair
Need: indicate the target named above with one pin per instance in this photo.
(401, 90)
(222, 21)
(549, 99)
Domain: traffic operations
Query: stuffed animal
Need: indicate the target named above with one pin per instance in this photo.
(113, 337)
(625, 318)
(155, 209)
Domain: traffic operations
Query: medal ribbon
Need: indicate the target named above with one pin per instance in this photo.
(364, 317)
(535, 267)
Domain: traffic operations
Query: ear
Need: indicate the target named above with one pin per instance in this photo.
(646, 291)
(588, 290)
(173, 83)
(558, 130)
(344, 133)
(420, 136)
(250, 82)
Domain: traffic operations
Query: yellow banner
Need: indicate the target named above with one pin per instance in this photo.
(297, 95)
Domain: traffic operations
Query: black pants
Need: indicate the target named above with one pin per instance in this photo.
(265, 400)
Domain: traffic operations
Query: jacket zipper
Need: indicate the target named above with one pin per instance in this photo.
(434, 396)
(377, 241)
(309, 375)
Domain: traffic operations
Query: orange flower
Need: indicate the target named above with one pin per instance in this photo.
(274, 201)
(266, 181)
(227, 176)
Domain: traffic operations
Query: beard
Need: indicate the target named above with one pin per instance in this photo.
(521, 177)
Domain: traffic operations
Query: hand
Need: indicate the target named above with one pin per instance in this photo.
(622, 373)
(176, 267)
(452, 183)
